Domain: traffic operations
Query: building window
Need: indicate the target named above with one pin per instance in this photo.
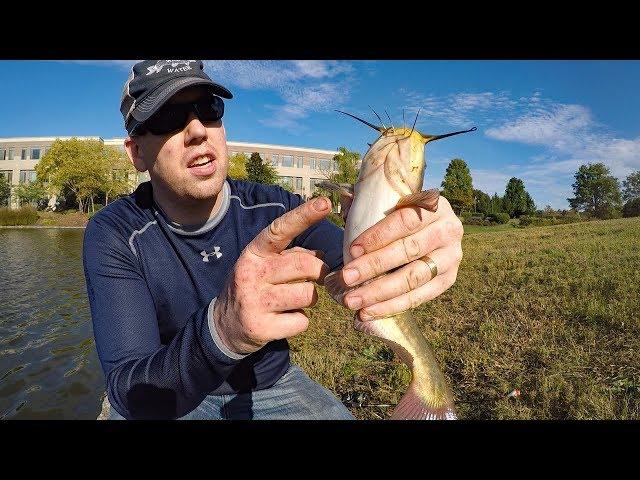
(10, 154)
(323, 164)
(35, 153)
(27, 176)
(274, 159)
(287, 160)
(298, 183)
(285, 181)
(7, 175)
(300, 162)
(3, 154)
(23, 155)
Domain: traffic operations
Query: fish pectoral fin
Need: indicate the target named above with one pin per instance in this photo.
(427, 199)
(335, 286)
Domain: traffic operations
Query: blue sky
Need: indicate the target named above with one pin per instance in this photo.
(537, 120)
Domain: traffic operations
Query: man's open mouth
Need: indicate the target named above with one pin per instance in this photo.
(201, 161)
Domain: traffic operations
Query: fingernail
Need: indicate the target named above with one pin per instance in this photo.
(350, 275)
(354, 302)
(320, 204)
(357, 251)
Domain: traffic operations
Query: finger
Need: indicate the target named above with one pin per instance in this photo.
(288, 324)
(398, 224)
(281, 298)
(412, 299)
(281, 232)
(296, 266)
(403, 280)
(440, 234)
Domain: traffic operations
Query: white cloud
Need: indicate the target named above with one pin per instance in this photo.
(568, 134)
(304, 86)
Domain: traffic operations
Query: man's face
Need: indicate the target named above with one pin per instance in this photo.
(188, 164)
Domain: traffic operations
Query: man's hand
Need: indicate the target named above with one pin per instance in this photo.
(269, 286)
(400, 240)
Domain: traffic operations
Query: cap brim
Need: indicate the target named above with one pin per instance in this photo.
(153, 102)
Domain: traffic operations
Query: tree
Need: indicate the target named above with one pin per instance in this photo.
(496, 203)
(84, 169)
(32, 193)
(260, 171)
(530, 205)
(631, 208)
(5, 191)
(516, 200)
(631, 186)
(120, 175)
(482, 202)
(596, 191)
(237, 166)
(457, 185)
(348, 171)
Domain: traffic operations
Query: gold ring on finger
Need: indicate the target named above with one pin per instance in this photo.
(431, 264)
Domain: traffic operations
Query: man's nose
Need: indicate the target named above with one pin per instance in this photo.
(195, 127)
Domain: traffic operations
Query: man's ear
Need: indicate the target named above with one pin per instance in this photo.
(135, 153)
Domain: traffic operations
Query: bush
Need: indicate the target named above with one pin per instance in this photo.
(18, 216)
(96, 208)
(632, 208)
(500, 218)
(336, 219)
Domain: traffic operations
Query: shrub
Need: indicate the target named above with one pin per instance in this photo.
(500, 218)
(336, 219)
(18, 216)
(632, 208)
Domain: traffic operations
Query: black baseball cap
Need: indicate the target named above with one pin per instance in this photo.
(153, 82)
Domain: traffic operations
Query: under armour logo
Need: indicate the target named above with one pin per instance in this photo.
(205, 255)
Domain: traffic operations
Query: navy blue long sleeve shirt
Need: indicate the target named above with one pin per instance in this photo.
(151, 284)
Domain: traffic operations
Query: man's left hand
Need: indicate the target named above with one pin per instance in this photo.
(401, 239)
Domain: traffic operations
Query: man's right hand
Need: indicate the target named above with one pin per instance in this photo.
(269, 286)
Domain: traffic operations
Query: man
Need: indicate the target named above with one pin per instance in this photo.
(192, 286)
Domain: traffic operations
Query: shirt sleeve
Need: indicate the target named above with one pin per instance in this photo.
(144, 378)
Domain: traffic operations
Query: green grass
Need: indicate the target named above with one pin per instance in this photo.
(481, 229)
(552, 311)
(18, 216)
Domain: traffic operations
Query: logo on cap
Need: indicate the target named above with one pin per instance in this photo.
(160, 64)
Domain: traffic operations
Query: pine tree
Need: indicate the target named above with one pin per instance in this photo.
(260, 171)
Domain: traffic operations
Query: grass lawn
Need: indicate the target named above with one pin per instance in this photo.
(552, 311)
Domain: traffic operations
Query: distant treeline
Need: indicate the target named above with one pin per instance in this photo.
(597, 195)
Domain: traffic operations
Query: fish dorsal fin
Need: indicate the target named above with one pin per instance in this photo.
(345, 189)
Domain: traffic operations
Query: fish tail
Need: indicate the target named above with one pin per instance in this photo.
(413, 406)
(429, 396)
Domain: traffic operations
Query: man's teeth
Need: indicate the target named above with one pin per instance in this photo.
(201, 161)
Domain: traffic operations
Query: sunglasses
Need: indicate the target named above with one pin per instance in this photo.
(174, 116)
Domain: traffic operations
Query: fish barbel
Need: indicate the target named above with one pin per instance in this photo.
(391, 177)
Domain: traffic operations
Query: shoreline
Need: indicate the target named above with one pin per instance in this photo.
(40, 226)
